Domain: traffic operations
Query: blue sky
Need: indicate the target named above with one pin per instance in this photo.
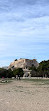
(24, 30)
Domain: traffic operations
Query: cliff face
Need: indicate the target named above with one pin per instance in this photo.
(23, 63)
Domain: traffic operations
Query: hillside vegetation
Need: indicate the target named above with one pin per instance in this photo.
(42, 70)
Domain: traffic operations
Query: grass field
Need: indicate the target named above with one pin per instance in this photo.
(38, 81)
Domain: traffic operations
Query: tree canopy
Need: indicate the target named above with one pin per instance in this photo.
(18, 72)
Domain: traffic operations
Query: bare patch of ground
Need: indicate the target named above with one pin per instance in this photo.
(24, 96)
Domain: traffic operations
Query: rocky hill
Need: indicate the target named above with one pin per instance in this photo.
(23, 63)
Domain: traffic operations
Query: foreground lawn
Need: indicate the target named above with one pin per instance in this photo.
(34, 81)
(38, 81)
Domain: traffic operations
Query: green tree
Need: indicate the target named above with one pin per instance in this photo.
(43, 69)
(3, 72)
(18, 72)
(33, 71)
(9, 73)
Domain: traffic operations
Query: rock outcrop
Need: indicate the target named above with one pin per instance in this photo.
(23, 63)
